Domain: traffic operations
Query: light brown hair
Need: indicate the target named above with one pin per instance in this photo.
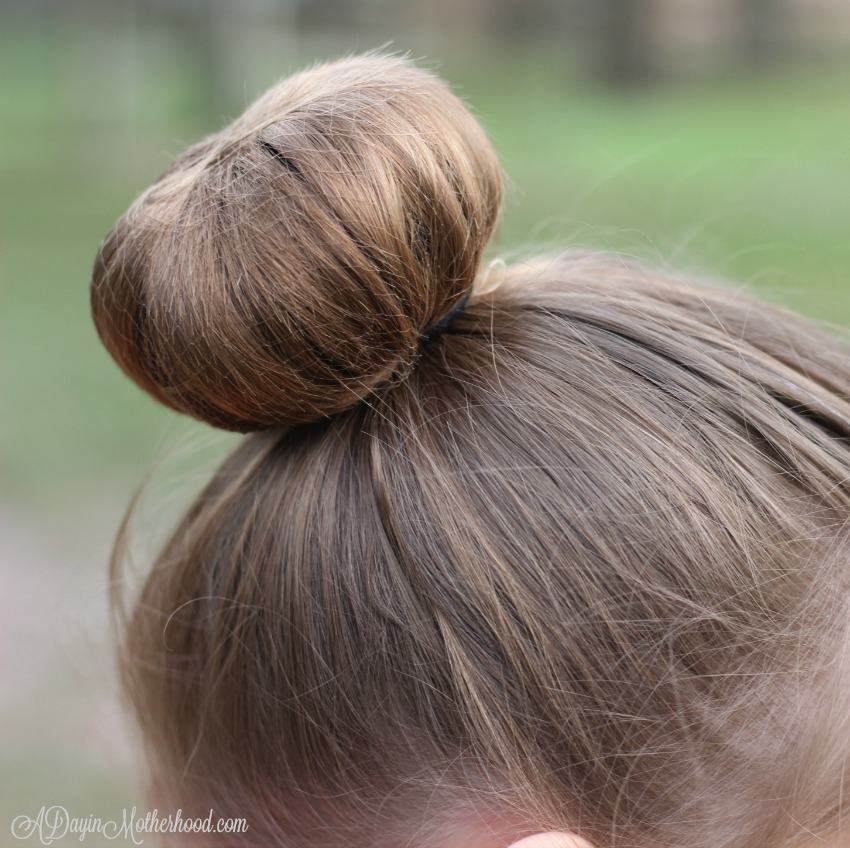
(579, 561)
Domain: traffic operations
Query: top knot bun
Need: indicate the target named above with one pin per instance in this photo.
(285, 267)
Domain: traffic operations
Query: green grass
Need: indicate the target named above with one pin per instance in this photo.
(745, 179)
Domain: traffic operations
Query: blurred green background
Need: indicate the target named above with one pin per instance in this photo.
(712, 137)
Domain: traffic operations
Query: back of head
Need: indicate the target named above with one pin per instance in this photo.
(579, 564)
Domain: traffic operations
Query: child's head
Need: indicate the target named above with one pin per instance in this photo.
(578, 563)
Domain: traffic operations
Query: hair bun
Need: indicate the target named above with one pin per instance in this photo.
(285, 267)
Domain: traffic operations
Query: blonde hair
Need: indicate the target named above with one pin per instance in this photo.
(580, 561)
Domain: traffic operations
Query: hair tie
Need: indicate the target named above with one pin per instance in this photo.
(440, 327)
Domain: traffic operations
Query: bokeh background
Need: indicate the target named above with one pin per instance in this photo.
(712, 136)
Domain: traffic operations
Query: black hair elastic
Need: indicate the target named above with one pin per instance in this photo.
(440, 327)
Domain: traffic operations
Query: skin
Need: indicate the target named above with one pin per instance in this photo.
(568, 840)
(562, 839)
(496, 831)
(551, 840)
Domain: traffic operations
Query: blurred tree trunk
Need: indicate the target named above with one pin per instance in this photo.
(192, 24)
(625, 45)
(236, 50)
(202, 33)
(760, 41)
